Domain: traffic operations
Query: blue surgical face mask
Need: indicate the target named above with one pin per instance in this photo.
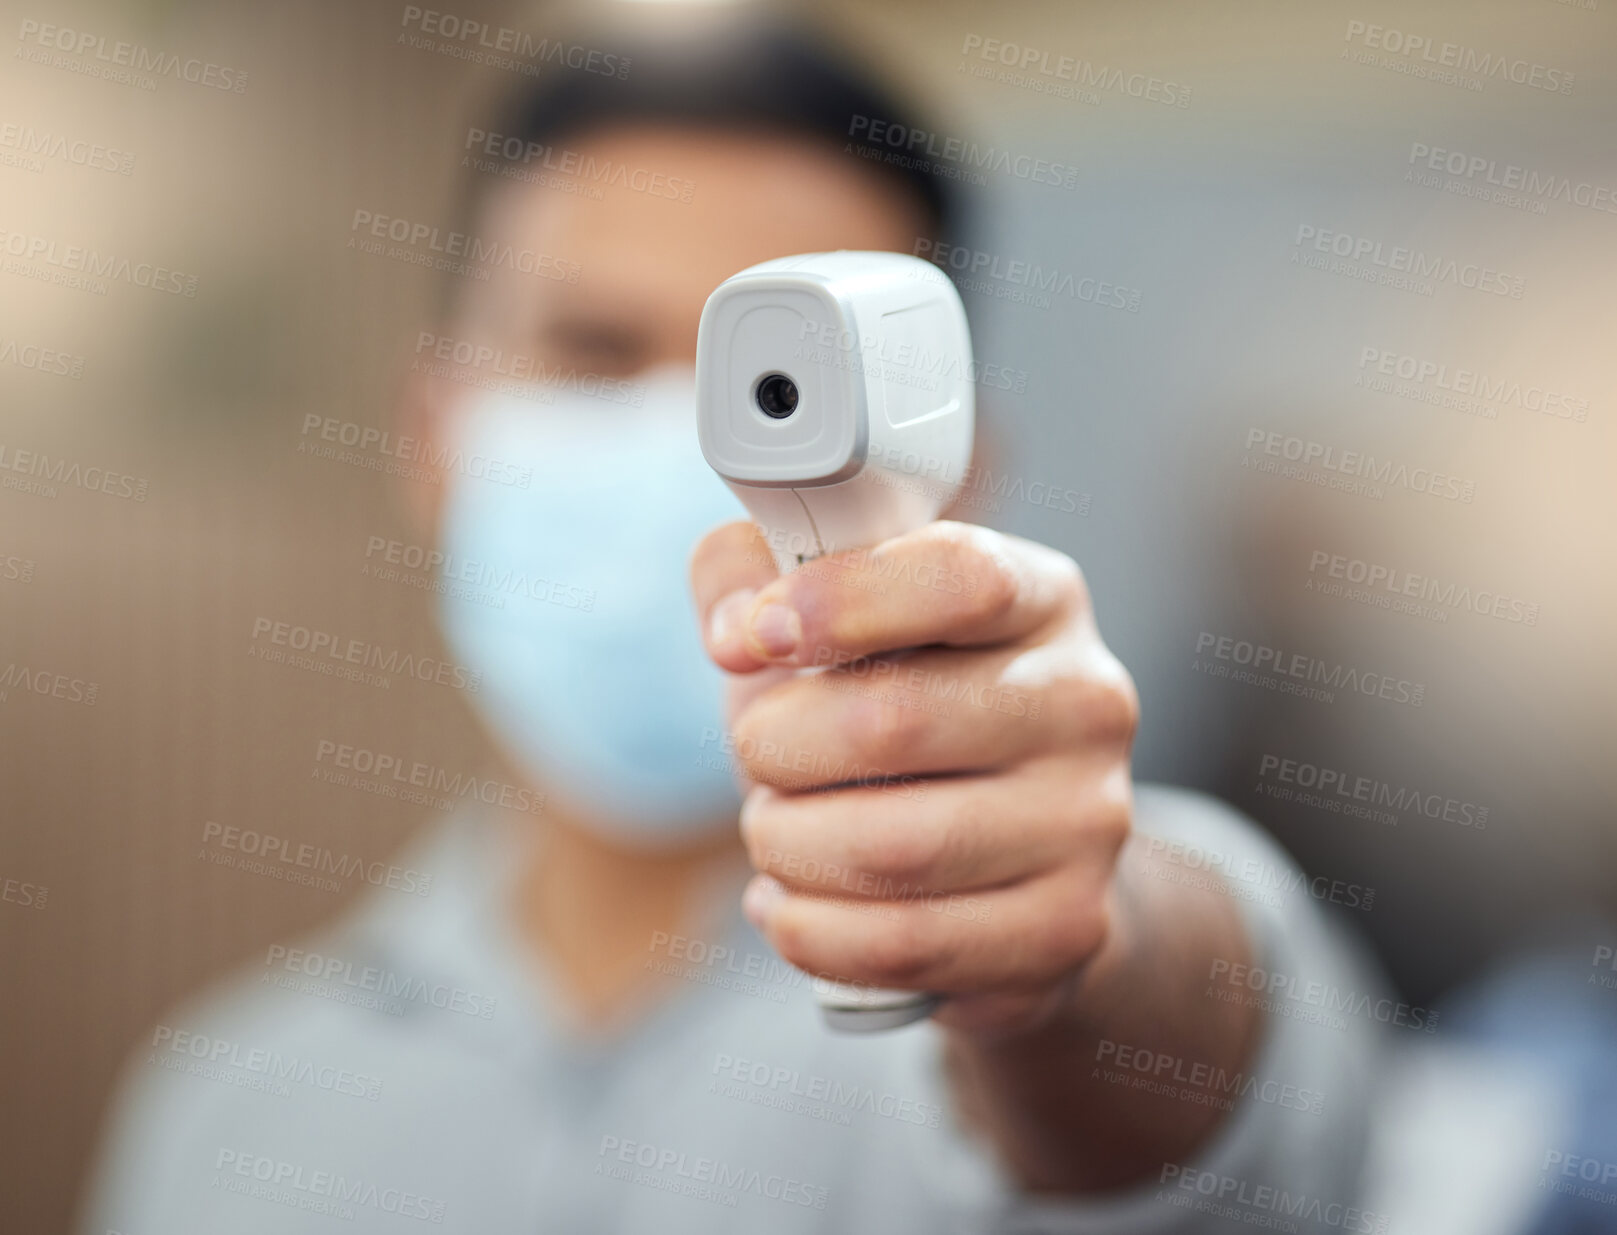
(570, 594)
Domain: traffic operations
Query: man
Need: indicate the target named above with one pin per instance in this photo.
(577, 1029)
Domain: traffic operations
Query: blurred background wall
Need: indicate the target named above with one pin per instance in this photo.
(137, 719)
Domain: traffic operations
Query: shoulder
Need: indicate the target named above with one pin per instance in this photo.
(215, 1072)
(308, 1064)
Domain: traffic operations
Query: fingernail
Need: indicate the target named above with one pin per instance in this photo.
(725, 619)
(760, 899)
(777, 630)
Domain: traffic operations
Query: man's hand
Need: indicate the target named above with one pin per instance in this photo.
(963, 687)
(942, 807)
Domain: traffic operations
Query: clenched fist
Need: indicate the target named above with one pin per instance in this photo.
(937, 744)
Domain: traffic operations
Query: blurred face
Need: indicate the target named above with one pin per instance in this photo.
(647, 262)
(595, 679)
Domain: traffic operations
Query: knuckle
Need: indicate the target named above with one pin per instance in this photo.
(1095, 924)
(1113, 828)
(972, 567)
(884, 732)
(1123, 702)
(992, 582)
(828, 606)
(1110, 702)
(1067, 699)
(1117, 808)
(1067, 577)
(996, 590)
(1071, 932)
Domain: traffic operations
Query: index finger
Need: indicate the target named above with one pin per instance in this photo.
(947, 583)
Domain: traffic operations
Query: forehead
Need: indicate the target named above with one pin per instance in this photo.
(654, 215)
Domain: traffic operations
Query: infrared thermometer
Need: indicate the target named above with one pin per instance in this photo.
(834, 396)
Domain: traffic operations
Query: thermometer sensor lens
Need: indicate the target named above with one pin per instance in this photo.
(777, 396)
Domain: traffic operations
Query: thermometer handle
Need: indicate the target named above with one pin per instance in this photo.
(845, 1007)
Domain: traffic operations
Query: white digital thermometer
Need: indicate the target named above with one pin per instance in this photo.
(834, 396)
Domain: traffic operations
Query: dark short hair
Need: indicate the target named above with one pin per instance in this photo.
(764, 74)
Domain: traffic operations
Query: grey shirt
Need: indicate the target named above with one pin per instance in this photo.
(414, 1067)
